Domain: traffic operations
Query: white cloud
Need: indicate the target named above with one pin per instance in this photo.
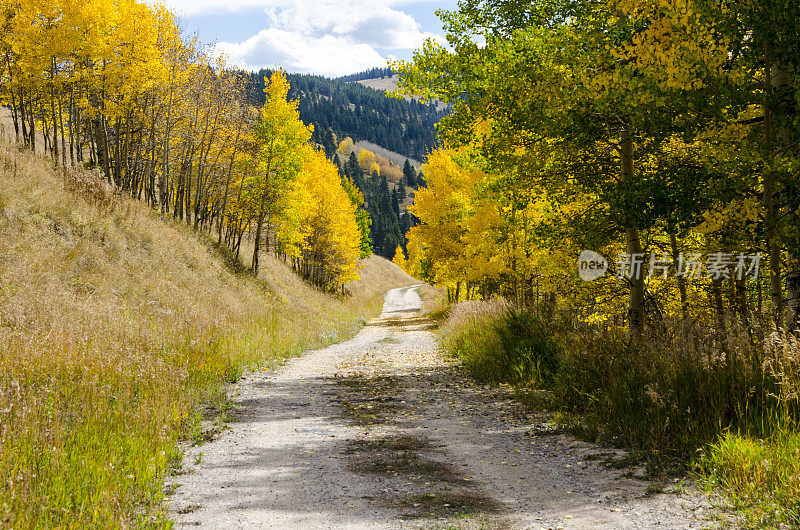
(362, 21)
(210, 7)
(328, 37)
(295, 52)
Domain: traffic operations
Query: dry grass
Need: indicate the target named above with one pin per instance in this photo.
(469, 330)
(114, 328)
(379, 274)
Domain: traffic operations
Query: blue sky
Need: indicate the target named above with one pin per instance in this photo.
(328, 37)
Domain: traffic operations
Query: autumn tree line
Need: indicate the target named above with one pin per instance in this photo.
(113, 85)
(660, 134)
(657, 140)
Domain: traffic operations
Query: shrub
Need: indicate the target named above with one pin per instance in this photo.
(529, 348)
(500, 343)
(470, 333)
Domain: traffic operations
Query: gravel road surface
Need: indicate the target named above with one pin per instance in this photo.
(383, 431)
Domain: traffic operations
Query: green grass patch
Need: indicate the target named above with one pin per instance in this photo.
(760, 478)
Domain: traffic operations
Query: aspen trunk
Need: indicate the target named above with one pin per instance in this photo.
(740, 293)
(719, 311)
(63, 140)
(163, 180)
(23, 119)
(260, 221)
(14, 116)
(55, 127)
(673, 240)
(780, 84)
(228, 179)
(633, 244)
(774, 251)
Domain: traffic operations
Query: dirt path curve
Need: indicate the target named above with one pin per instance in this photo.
(383, 431)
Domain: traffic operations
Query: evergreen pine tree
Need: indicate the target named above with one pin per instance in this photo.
(329, 143)
(395, 203)
(409, 174)
(353, 170)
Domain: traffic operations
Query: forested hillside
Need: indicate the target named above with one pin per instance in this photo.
(344, 113)
(388, 190)
(372, 73)
(166, 124)
(362, 113)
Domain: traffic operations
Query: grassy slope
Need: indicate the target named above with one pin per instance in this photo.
(395, 158)
(115, 327)
(389, 83)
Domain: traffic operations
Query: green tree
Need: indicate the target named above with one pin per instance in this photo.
(410, 174)
(598, 91)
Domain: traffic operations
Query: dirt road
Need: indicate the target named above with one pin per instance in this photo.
(383, 431)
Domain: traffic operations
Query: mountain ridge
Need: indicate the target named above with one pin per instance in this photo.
(352, 109)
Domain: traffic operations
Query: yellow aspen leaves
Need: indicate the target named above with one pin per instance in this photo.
(112, 85)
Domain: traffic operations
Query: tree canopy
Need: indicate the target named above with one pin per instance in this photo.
(647, 131)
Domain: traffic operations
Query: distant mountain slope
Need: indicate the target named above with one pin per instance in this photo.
(396, 158)
(389, 83)
(381, 83)
(349, 109)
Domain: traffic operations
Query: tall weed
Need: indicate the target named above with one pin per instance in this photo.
(470, 332)
(530, 350)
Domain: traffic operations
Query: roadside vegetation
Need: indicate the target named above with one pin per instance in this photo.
(160, 234)
(118, 334)
(661, 140)
(674, 399)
